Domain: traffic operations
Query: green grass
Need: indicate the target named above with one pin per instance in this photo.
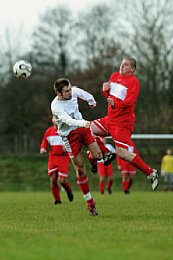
(135, 226)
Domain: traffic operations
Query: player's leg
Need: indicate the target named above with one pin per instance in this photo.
(101, 175)
(137, 162)
(108, 156)
(54, 187)
(131, 174)
(97, 150)
(67, 187)
(82, 181)
(63, 165)
(99, 129)
(122, 139)
(166, 182)
(125, 176)
(109, 174)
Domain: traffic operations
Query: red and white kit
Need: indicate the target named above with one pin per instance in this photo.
(125, 167)
(58, 159)
(124, 91)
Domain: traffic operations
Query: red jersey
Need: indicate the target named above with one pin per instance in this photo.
(124, 91)
(52, 140)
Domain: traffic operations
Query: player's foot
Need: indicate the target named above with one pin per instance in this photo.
(92, 209)
(93, 162)
(154, 177)
(127, 192)
(109, 191)
(57, 202)
(70, 196)
(108, 158)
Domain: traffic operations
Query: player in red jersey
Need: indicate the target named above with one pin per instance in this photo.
(121, 92)
(58, 163)
(127, 171)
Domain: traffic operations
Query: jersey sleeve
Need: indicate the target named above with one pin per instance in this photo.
(65, 118)
(44, 142)
(85, 96)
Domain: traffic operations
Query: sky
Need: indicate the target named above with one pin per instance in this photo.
(25, 13)
(18, 18)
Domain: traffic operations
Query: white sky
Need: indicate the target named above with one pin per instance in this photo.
(16, 13)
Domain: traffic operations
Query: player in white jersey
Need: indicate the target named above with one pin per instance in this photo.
(75, 131)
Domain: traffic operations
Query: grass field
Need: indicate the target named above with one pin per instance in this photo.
(135, 226)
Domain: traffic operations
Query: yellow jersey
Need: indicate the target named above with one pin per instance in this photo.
(167, 164)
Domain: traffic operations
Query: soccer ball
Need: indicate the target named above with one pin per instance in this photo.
(22, 69)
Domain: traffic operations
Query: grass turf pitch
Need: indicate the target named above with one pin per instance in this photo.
(135, 226)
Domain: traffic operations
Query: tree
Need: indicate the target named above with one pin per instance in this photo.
(151, 42)
(13, 46)
(51, 42)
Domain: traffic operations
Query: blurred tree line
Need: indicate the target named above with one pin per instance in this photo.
(87, 48)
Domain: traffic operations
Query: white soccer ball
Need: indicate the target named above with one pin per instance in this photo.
(22, 69)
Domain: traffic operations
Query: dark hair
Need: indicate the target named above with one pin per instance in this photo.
(133, 62)
(60, 83)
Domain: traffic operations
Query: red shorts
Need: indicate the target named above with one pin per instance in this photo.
(121, 135)
(105, 171)
(77, 138)
(126, 168)
(60, 164)
(101, 123)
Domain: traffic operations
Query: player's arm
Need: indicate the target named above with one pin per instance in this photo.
(106, 89)
(65, 118)
(44, 144)
(86, 96)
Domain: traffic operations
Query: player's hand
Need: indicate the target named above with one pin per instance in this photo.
(106, 86)
(110, 101)
(88, 124)
(43, 150)
(64, 149)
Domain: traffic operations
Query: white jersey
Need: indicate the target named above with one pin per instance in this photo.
(66, 112)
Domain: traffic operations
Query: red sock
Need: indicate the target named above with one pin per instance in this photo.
(125, 185)
(109, 184)
(84, 187)
(83, 184)
(138, 163)
(66, 186)
(102, 146)
(130, 183)
(101, 186)
(90, 202)
(55, 193)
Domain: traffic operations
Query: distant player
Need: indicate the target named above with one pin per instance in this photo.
(105, 173)
(127, 171)
(58, 163)
(167, 170)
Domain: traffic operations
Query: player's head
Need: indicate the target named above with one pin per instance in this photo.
(128, 66)
(62, 88)
(169, 151)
